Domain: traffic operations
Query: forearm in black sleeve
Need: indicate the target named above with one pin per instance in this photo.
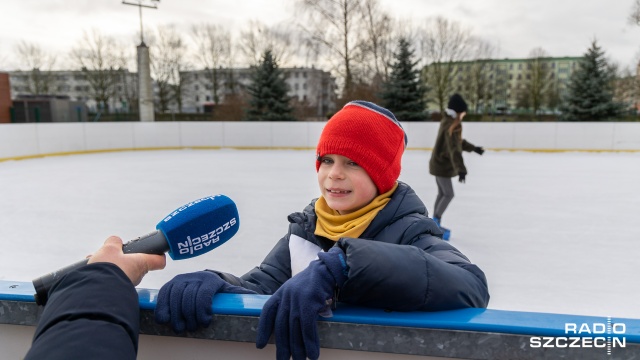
(407, 278)
(92, 313)
(265, 279)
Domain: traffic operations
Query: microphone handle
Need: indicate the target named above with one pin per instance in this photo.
(152, 243)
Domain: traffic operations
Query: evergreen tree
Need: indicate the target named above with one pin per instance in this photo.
(403, 93)
(269, 100)
(590, 89)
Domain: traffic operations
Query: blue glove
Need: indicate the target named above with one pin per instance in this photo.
(294, 308)
(186, 299)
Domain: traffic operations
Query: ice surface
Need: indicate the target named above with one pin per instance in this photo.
(554, 232)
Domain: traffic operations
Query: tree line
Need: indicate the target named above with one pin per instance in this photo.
(356, 40)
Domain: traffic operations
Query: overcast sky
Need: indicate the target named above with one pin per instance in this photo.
(561, 27)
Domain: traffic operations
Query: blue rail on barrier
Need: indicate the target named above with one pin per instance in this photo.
(479, 320)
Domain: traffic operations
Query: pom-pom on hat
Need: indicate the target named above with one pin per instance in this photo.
(457, 104)
(371, 136)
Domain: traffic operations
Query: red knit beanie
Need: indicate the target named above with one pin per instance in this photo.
(371, 136)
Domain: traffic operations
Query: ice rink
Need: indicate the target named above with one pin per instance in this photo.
(554, 232)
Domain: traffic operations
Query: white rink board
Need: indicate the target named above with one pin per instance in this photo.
(24, 140)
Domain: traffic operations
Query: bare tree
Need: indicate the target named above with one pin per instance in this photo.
(38, 64)
(479, 92)
(634, 16)
(213, 50)
(378, 45)
(257, 38)
(537, 81)
(167, 61)
(126, 86)
(336, 25)
(101, 65)
(553, 98)
(444, 43)
(626, 88)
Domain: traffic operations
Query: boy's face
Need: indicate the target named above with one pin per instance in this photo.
(344, 184)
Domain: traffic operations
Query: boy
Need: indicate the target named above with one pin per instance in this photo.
(366, 240)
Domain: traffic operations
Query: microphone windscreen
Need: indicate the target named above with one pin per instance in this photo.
(200, 226)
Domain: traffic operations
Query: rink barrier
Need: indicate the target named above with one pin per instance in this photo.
(466, 333)
(22, 141)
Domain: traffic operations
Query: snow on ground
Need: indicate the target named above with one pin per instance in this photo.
(554, 232)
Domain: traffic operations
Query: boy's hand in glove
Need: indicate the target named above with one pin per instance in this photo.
(461, 177)
(293, 309)
(186, 300)
(479, 150)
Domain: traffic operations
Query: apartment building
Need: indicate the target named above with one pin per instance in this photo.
(310, 87)
(116, 90)
(500, 85)
(109, 91)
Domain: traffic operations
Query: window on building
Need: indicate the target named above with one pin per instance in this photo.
(296, 86)
(208, 98)
(304, 86)
(304, 74)
(519, 76)
(197, 98)
(510, 77)
(197, 87)
(519, 66)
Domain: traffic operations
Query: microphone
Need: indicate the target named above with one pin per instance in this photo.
(191, 230)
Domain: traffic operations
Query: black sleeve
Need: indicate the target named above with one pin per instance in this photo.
(428, 275)
(265, 279)
(467, 146)
(92, 313)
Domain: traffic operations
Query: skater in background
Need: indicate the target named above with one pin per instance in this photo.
(367, 240)
(446, 158)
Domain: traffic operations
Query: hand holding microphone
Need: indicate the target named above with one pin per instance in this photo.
(191, 230)
(135, 266)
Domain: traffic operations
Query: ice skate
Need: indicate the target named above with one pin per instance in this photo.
(447, 232)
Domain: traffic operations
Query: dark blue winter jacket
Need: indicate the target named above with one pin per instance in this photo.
(92, 313)
(398, 263)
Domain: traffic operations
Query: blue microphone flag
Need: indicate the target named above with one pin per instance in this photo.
(200, 226)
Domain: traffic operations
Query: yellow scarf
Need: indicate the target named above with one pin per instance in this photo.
(334, 226)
